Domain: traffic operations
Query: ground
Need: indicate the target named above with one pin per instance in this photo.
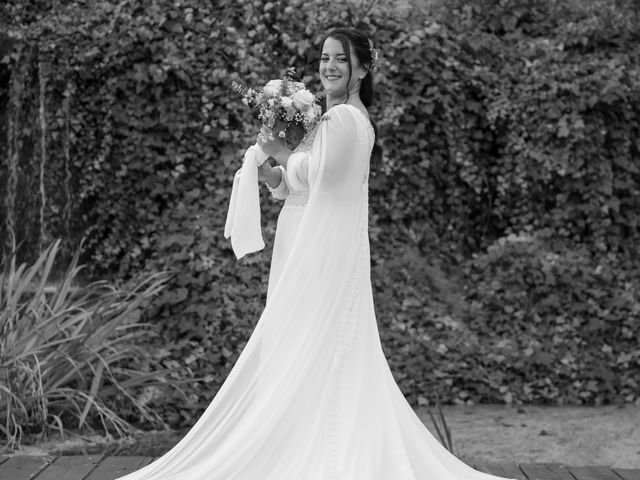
(577, 436)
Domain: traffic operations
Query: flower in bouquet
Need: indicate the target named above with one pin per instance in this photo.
(284, 106)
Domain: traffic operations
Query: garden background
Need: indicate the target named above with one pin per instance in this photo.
(504, 213)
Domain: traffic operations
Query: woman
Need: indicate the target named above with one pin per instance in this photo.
(346, 81)
(311, 396)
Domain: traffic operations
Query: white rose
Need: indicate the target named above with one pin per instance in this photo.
(272, 88)
(312, 114)
(286, 102)
(303, 99)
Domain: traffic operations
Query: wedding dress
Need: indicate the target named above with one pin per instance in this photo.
(311, 396)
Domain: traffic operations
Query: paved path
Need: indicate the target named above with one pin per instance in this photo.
(97, 467)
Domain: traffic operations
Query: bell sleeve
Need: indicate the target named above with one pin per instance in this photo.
(243, 216)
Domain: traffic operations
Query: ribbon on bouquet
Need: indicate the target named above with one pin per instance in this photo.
(243, 217)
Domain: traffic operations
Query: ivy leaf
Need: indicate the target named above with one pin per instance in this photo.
(563, 128)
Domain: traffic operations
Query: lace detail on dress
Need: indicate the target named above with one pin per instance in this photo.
(345, 336)
(296, 199)
(348, 324)
(307, 140)
(366, 138)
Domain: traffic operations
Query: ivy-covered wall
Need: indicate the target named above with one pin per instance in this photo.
(504, 214)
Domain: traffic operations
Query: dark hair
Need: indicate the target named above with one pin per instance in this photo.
(362, 48)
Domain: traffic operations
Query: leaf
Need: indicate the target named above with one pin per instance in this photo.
(563, 128)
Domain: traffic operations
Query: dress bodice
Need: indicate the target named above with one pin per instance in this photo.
(297, 198)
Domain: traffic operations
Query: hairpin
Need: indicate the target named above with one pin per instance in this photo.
(375, 59)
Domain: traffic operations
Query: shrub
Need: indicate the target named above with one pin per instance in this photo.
(559, 324)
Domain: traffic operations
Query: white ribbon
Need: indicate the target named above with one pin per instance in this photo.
(243, 217)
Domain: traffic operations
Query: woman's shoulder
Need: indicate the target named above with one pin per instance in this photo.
(347, 113)
(348, 107)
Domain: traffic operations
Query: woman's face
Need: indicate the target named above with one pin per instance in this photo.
(334, 69)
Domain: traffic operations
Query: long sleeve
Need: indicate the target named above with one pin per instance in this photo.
(243, 217)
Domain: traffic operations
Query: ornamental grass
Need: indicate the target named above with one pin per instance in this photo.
(69, 354)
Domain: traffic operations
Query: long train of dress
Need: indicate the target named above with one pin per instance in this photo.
(311, 396)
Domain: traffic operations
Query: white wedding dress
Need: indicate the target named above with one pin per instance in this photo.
(311, 396)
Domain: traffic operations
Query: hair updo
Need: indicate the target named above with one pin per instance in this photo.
(353, 41)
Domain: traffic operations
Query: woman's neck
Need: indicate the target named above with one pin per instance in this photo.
(331, 100)
(352, 99)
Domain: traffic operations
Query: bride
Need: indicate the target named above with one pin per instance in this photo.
(311, 396)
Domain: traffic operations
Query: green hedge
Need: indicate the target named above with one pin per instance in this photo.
(497, 120)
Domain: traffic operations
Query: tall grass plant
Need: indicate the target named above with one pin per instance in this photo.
(69, 354)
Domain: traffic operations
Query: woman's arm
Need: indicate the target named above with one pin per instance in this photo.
(293, 165)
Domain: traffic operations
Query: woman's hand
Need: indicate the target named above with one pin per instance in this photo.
(269, 174)
(273, 146)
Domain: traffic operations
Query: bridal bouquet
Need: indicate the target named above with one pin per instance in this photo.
(285, 106)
